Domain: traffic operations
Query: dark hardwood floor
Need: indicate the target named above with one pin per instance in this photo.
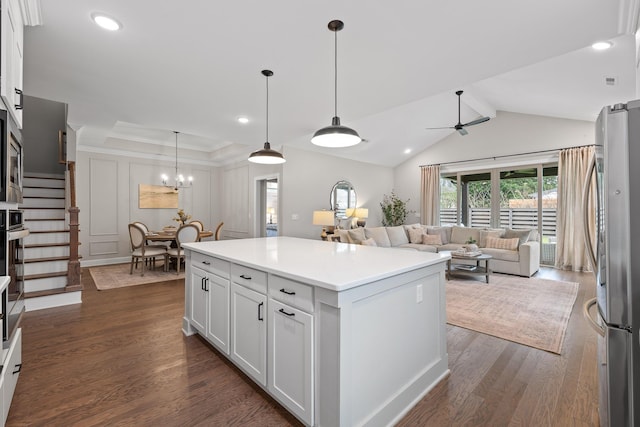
(121, 359)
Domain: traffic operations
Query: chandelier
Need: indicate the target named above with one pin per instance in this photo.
(178, 181)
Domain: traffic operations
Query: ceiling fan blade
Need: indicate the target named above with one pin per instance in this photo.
(477, 121)
(448, 127)
(462, 131)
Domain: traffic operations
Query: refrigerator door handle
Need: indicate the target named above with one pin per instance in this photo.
(585, 311)
(585, 220)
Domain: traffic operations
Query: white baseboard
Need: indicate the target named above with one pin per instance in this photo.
(105, 261)
(50, 301)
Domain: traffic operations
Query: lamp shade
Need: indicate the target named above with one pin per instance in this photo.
(362, 213)
(266, 156)
(323, 218)
(349, 212)
(336, 136)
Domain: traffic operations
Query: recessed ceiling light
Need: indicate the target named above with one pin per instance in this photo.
(407, 151)
(602, 45)
(243, 120)
(106, 22)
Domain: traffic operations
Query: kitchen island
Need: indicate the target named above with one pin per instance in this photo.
(339, 334)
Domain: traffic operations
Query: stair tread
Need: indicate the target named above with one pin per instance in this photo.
(47, 231)
(44, 219)
(26, 208)
(47, 259)
(43, 197)
(44, 275)
(54, 291)
(45, 245)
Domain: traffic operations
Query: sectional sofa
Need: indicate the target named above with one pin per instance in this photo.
(514, 251)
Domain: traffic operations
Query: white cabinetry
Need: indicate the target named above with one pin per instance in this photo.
(249, 332)
(291, 358)
(11, 57)
(210, 301)
(11, 367)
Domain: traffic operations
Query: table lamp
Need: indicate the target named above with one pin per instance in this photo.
(362, 214)
(324, 218)
(271, 211)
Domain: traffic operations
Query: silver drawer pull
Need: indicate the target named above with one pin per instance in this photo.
(285, 313)
(284, 291)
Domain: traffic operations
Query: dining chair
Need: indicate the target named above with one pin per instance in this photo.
(140, 251)
(218, 231)
(146, 231)
(198, 224)
(188, 233)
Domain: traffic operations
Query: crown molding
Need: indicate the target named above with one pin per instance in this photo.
(628, 16)
(31, 12)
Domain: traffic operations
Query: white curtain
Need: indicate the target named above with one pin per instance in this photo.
(430, 195)
(571, 251)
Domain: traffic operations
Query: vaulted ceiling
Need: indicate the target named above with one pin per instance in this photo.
(195, 67)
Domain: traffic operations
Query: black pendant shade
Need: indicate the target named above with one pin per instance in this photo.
(336, 135)
(266, 155)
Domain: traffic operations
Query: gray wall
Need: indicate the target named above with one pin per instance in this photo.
(42, 119)
(506, 134)
(307, 182)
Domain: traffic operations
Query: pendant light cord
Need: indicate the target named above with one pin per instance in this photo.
(267, 82)
(176, 132)
(335, 73)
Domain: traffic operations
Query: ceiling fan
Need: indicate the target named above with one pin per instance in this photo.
(460, 127)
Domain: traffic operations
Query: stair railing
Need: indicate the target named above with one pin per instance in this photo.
(73, 270)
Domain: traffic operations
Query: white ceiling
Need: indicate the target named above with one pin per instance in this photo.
(195, 67)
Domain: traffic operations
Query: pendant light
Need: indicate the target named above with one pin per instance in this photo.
(178, 178)
(336, 135)
(267, 156)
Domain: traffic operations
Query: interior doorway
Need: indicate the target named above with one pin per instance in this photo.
(267, 207)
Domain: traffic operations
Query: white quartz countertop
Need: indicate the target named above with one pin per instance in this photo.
(4, 282)
(331, 265)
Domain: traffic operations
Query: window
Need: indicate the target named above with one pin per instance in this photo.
(519, 197)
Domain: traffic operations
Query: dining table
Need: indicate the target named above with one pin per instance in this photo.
(170, 235)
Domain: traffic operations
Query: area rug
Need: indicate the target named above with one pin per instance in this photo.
(117, 276)
(530, 311)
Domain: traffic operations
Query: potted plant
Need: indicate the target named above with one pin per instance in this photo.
(394, 210)
(470, 244)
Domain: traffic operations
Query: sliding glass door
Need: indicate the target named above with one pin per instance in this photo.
(518, 197)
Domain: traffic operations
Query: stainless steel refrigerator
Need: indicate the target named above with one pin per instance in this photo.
(616, 257)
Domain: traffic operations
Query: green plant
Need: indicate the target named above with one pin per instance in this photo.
(471, 241)
(394, 210)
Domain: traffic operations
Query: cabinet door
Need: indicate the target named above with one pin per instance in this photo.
(291, 358)
(249, 332)
(218, 321)
(199, 300)
(11, 57)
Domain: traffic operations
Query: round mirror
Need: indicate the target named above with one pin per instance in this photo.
(343, 197)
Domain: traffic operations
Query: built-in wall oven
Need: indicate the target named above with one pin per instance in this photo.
(12, 233)
(11, 161)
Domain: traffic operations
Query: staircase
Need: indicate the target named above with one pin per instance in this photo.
(46, 251)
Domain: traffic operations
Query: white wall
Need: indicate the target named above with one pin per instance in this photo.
(107, 195)
(308, 178)
(506, 134)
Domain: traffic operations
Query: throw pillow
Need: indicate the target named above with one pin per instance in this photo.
(397, 236)
(379, 234)
(368, 242)
(357, 235)
(415, 235)
(482, 241)
(431, 239)
(442, 232)
(498, 243)
(461, 235)
(522, 235)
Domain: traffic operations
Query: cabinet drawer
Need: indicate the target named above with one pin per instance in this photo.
(249, 277)
(11, 371)
(295, 294)
(210, 264)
